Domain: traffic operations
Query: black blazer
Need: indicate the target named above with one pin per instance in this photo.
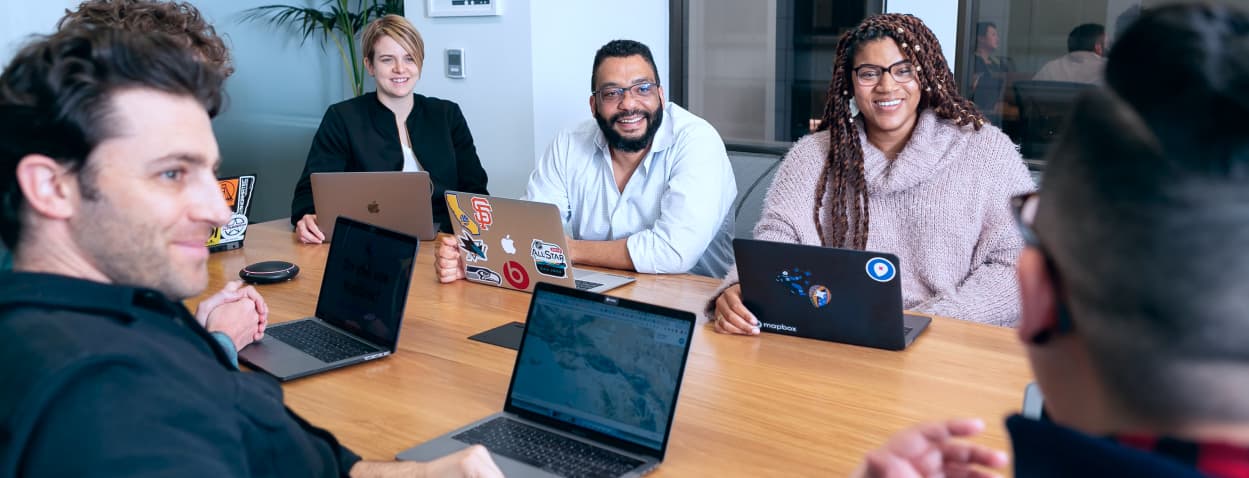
(360, 135)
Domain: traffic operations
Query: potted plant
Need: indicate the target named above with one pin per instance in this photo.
(340, 24)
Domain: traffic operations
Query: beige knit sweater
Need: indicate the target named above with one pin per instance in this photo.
(942, 206)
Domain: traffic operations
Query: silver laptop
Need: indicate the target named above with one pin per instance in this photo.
(593, 391)
(517, 244)
(359, 310)
(391, 199)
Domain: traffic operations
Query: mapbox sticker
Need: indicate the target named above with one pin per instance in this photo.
(549, 259)
(482, 274)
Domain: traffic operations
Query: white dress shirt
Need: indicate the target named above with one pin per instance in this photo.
(674, 210)
(1075, 67)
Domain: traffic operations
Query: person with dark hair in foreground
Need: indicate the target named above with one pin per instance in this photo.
(1084, 60)
(918, 172)
(180, 20)
(1134, 276)
(108, 187)
(184, 24)
(644, 186)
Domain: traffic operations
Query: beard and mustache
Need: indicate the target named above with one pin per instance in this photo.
(619, 142)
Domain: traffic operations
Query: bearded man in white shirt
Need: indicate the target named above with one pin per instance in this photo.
(646, 186)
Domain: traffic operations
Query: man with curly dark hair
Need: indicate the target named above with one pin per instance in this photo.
(180, 20)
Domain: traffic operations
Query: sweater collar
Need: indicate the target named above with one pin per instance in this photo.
(925, 155)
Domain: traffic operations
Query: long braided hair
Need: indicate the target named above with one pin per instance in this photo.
(844, 167)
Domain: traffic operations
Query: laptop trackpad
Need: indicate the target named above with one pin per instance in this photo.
(446, 445)
(278, 358)
(507, 335)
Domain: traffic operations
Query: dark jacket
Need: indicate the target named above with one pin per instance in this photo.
(360, 135)
(1045, 449)
(106, 380)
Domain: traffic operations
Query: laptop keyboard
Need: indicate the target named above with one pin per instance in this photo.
(586, 285)
(552, 452)
(319, 341)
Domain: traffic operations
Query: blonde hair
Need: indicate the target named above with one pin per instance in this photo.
(399, 29)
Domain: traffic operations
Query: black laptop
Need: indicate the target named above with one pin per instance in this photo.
(593, 391)
(839, 295)
(359, 310)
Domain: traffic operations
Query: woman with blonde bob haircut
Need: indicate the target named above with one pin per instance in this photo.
(391, 129)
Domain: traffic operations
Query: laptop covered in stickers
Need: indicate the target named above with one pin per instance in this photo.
(515, 244)
(237, 191)
(838, 295)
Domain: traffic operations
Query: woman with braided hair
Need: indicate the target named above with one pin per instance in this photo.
(917, 172)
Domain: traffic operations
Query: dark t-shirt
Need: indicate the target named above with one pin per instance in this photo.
(991, 87)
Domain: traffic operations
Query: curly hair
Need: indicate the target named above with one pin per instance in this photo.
(56, 100)
(178, 19)
(843, 171)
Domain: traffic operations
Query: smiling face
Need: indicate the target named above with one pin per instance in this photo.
(153, 197)
(630, 122)
(394, 68)
(888, 107)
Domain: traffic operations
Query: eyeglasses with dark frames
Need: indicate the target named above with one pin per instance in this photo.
(869, 75)
(614, 94)
(1024, 207)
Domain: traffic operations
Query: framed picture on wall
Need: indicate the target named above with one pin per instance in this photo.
(463, 8)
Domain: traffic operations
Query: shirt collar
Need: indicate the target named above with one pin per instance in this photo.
(664, 138)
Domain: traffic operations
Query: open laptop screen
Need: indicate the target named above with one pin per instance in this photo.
(366, 280)
(602, 367)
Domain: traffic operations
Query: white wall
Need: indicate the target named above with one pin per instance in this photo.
(940, 15)
(529, 71)
(495, 95)
(21, 18)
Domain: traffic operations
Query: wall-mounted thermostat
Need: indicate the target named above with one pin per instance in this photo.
(455, 63)
(462, 8)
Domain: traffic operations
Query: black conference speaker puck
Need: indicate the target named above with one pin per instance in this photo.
(268, 272)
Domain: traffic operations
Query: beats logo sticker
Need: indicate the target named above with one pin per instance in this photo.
(516, 275)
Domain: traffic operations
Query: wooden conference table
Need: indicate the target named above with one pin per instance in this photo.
(750, 406)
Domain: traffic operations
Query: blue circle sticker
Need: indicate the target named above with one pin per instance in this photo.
(880, 269)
